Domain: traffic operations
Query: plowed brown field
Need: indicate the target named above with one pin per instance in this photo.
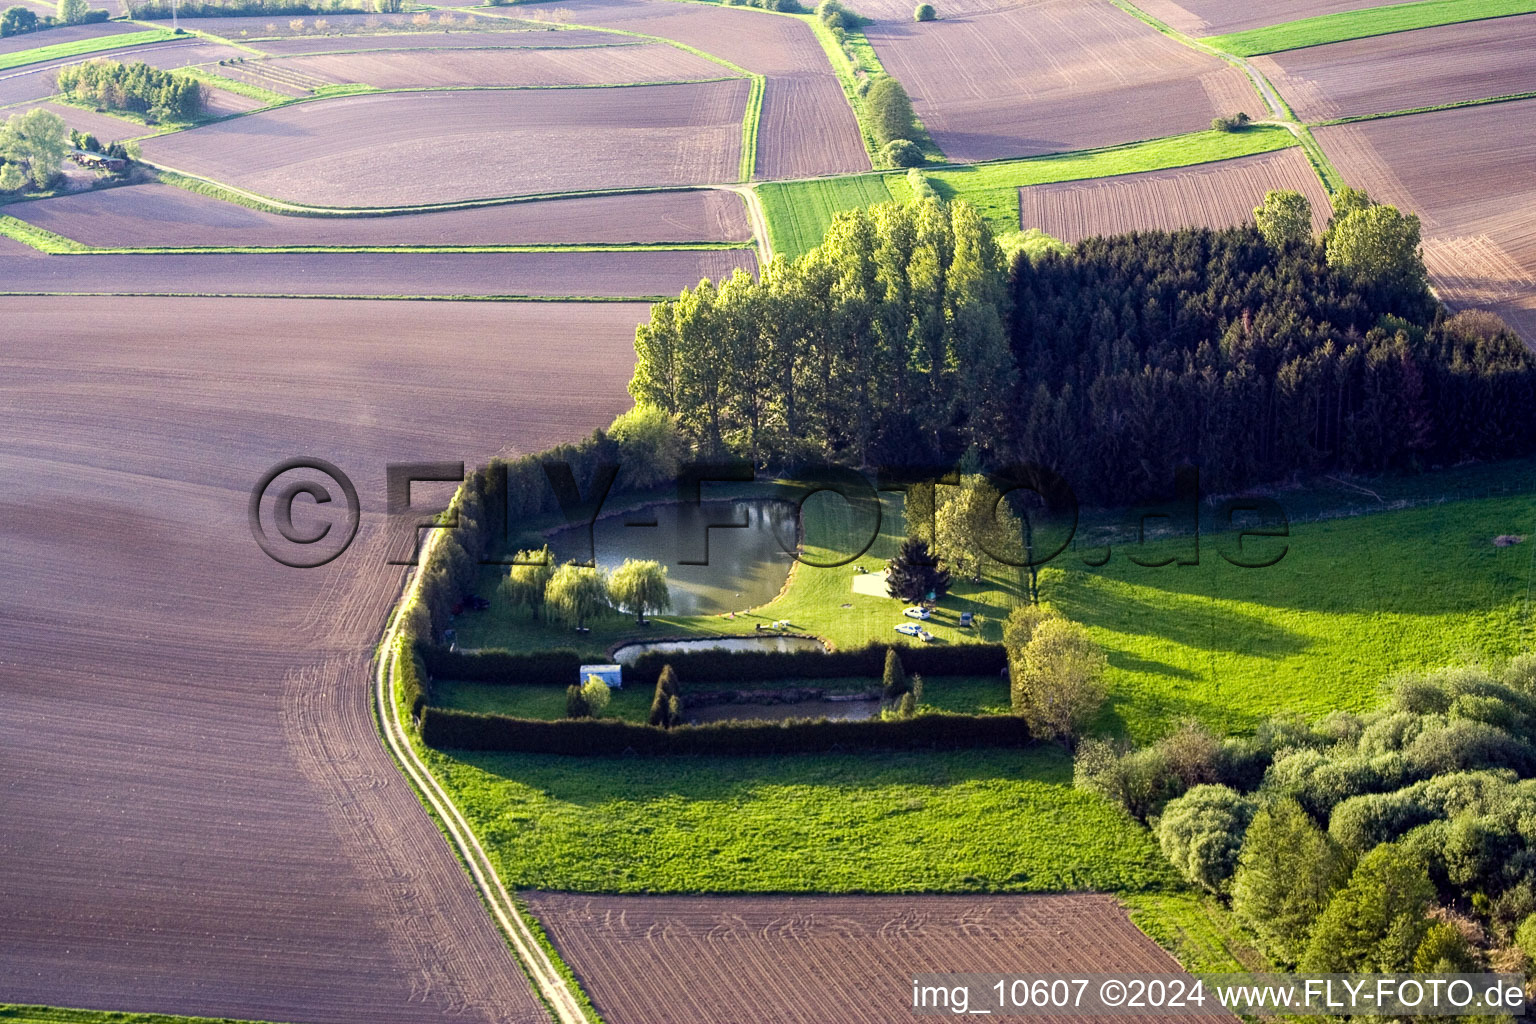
(1470, 174)
(199, 816)
(487, 32)
(1216, 195)
(807, 127)
(59, 34)
(409, 148)
(1471, 61)
(637, 275)
(1051, 77)
(807, 959)
(406, 69)
(1215, 17)
(163, 216)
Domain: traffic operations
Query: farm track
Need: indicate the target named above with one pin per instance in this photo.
(201, 818)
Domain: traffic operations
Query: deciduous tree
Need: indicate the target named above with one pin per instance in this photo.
(640, 587)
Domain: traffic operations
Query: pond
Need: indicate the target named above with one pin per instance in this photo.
(747, 565)
(627, 654)
(845, 710)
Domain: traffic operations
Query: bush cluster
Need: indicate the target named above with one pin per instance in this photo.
(447, 729)
(1343, 842)
(1236, 123)
(158, 95)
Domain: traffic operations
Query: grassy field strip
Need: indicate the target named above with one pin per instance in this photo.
(217, 81)
(553, 985)
(21, 58)
(1369, 21)
(799, 211)
(55, 244)
(256, 201)
(1507, 98)
(749, 128)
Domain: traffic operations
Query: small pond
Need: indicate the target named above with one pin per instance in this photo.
(627, 654)
(846, 710)
(747, 565)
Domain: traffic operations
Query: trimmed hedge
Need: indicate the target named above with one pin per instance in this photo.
(559, 668)
(411, 677)
(507, 668)
(446, 729)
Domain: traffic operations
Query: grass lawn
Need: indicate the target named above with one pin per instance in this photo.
(1353, 601)
(79, 46)
(896, 822)
(813, 602)
(1370, 21)
(799, 212)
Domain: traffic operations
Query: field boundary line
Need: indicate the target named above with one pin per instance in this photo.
(55, 244)
(548, 981)
(1369, 22)
(1512, 97)
(343, 297)
(244, 197)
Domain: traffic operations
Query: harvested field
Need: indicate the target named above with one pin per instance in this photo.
(815, 958)
(532, 274)
(1470, 174)
(406, 69)
(1052, 77)
(485, 34)
(222, 102)
(807, 127)
(393, 26)
(200, 817)
(1214, 17)
(1208, 195)
(59, 34)
(105, 127)
(1427, 67)
(164, 216)
(807, 130)
(477, 144)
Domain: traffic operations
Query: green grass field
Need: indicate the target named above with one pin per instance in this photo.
(1370, 21)
(799, 212)
(897, 822)
(81, 46)
(1353, 601)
